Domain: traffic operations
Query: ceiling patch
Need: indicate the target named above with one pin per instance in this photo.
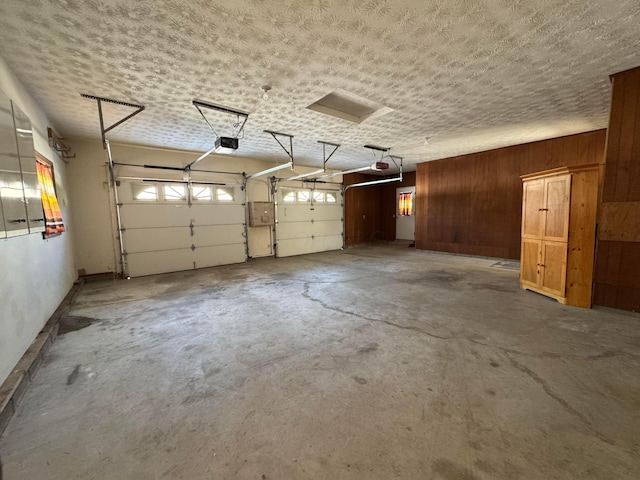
(349, 106)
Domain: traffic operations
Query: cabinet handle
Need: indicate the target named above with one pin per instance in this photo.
(543, 209)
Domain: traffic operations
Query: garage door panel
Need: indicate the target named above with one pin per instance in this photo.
(302, 229)
(294, 246)
(300, 246)
(325, 212)
(210, 235)
(327, 227)
(287, 230)
(294, 213)
(294, 229)
(154, 239)
(158, 238)
(219, 255)
(330, 242)
(149, 263)
(154, 215)
(217, 214)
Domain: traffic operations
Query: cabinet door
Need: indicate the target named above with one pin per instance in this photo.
(530, 262)
(532, 204)
(553, 268)
(556, 208)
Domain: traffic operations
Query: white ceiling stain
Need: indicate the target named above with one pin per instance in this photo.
(470, 75)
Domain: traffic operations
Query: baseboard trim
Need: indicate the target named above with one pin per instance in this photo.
(15, 386)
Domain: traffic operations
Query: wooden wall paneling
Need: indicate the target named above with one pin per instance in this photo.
(629, 281)
(633, 192)
(472, 203)
(591, 147)
(618, 258)
(363, 205)
(422, 204)
(620, 222)
(613, 141)
(628, 138)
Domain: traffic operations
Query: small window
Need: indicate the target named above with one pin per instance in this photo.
(145, 192)
(201, 193)
(405, 204)
(288, 196)
(174, 192)
(304, 195)
(225, 194)
(51, 209)
(331, 197)
(318, 197)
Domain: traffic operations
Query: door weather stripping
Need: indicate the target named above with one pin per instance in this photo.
(104, 130)
(324, 162)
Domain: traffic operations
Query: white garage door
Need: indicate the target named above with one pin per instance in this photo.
(163, 233)
(308, 221)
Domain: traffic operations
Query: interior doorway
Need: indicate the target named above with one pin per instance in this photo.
(405, 213)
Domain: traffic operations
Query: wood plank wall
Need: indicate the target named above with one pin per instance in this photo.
(472, 204)
(370, 211)
(362, 213)
(617, 273)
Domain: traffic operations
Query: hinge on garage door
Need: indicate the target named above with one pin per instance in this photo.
(122, 229)
(193, 247)
(124, 254)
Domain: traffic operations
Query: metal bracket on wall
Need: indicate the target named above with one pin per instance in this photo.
(104, 130)
(57, 143)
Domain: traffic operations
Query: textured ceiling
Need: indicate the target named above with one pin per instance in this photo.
(471, 75)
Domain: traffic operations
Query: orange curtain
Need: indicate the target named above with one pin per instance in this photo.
(405, 204)
(52, 215)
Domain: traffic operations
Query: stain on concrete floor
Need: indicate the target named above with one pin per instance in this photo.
(74, 323)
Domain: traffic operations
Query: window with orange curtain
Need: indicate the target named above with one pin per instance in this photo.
(405, 204)
(52, 215)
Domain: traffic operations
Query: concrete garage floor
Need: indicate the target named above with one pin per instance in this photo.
(372, 363)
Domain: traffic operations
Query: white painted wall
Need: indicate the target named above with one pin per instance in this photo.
(96, 247)
(36, 273)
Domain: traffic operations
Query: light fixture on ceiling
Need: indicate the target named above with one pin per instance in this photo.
(265, 92)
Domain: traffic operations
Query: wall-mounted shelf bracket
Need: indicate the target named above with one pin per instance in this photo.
(59, 145)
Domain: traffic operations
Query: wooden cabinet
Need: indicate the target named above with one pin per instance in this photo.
(558, 233)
